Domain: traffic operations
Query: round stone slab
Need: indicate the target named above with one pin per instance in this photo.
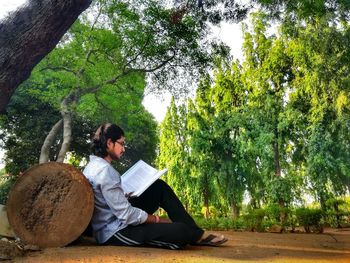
(50, 205)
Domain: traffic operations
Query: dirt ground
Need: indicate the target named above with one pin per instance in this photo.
(332, 246)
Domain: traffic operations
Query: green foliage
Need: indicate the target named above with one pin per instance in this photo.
(272, 128)
(275, 127)
(24, 131)
(337, 212)
(310, 219)
(307, 10)
(254, 220)
(6, 182)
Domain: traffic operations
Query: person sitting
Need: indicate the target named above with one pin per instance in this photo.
(120, 220)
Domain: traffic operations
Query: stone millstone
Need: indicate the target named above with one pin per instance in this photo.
(50, 205)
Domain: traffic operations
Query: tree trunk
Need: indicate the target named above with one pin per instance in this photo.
(45, 149)
(277, 158)
(206, 205)
(67, 131)
(28, 35)
(50, 205)
(254, 204)
(235, 210)
(278, 174)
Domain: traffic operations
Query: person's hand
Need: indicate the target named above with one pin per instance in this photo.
(128, 195)
(156, 219)
(164, 220)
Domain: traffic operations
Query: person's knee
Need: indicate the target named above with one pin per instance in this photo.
(160, 186)
(160, 183)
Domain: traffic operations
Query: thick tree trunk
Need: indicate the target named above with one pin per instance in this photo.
(50, 205)
(278, 174)
(28, 35)
(45, 149)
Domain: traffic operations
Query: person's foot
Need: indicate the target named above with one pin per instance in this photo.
(212, 240)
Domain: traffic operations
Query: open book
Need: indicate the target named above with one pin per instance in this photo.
(139, 177)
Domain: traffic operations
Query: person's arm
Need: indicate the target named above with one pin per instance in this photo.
(116, 200)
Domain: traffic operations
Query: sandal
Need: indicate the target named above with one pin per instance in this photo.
(208, 241)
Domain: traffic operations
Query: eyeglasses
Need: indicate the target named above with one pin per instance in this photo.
(122, 144)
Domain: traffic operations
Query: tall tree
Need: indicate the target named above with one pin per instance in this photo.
(229, 98)
(267, 75)
(123, 42)
(30, 33)
(305, 9)
(320, 58)
(201, 141)
(24, 131)
(174, 153)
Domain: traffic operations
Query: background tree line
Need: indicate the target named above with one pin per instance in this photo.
(273, 128)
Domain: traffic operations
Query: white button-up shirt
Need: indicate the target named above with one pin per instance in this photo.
(113, 211)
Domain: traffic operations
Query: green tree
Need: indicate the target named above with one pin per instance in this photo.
(34, 30)
(24, 132)
(229, 98)
(306, 10)
(174, 154)
(202, 143)
(320, 58)
(48, 24)
(267, 76)
(113, 55)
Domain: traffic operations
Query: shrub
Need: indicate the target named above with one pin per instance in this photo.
(337, 214)
(273, 216)
(254, 220)
(310, 219)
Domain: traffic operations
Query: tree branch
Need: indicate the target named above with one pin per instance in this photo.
(67, 130)
(59, 69)
(49, 140)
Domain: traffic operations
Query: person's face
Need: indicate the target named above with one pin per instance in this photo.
(115, 149)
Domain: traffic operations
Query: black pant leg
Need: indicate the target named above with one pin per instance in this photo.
(160, 194)
(168, 235)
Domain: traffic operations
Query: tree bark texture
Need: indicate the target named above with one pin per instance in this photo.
(67, 131)
(49, 140)
(28, 35)
(50, 205)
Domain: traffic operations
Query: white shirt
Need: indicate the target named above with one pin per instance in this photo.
(113, 211)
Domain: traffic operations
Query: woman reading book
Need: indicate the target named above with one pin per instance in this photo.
(119, 220)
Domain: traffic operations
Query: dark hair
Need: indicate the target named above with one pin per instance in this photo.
(103, 133)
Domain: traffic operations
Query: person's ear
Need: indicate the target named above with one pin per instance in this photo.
(109, 142)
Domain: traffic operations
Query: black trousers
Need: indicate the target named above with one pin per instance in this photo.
(182, 231)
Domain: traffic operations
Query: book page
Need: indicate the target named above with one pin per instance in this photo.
(139, 177)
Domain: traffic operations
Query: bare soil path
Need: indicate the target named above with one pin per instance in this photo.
(332, 246)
